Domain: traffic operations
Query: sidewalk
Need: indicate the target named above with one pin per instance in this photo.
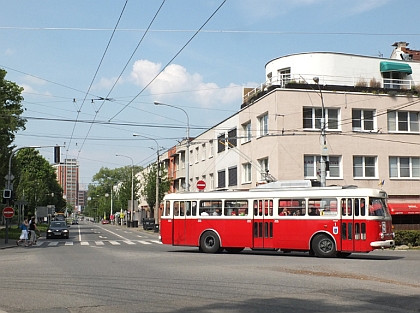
(11, 242)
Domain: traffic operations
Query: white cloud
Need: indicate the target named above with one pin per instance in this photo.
(107, 83)
(366, 5)
(176, 81)
(34, 80)
(9, 52)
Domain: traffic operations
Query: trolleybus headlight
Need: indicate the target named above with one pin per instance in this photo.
(381, 235)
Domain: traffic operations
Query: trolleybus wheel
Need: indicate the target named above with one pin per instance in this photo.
(234, 250)
(210, 242)
(324, 246)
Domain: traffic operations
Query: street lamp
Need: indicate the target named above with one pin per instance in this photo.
(324, 148)
(156, 214)
(187, 154)
(132, 185)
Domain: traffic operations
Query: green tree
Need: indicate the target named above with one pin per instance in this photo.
(149, 185)
(36, 181)
(103, 181)
(10, 120)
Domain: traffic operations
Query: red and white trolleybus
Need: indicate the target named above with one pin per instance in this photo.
(324, 221)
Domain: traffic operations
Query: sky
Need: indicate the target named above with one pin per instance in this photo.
(196, 55)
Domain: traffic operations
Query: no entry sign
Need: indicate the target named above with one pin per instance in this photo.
(201, 185)
(8, 212)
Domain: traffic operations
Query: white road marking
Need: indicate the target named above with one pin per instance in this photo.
(144, 242)
(129, 242)
(84, 243)
(69, 243)
(53, 243)
(99, 243)
(156, 241)
(115, 243)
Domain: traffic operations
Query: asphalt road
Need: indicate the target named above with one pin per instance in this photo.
(106, 268)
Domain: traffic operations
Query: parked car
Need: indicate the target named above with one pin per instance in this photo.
(58, 229)
(105, 221)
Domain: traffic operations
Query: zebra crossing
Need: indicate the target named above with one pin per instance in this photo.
(96, 243)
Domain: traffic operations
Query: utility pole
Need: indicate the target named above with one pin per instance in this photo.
(324, 147)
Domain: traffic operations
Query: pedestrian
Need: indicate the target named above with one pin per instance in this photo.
(32, 229)
(24, 235)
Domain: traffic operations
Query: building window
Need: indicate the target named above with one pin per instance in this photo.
(196, 155)
(263, 125)
(221, 143)
(211, 149)
(311, 167)
(211, 177)
(364, 167)
(404, 167)
(191, 160)
(312, 118)
(221, 179)
(403, 121)
(233, 176)
(263, 163)
(232, 140)
(203, 151)
(284, 76)
(246, 173)
(247, 132)
(183, 160)
(363, 120)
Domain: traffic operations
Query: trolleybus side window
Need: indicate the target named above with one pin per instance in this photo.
(167, 208)
(191, 208)
(346, 207)
(291, 207)
(324, 206)
(208, 207)
(236, 207)
(176, 208)
(263, 207)
(181, 208)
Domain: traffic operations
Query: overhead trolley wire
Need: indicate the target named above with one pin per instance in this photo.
(93, 79)
(170, 61)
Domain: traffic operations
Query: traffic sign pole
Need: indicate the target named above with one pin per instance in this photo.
(8, 213)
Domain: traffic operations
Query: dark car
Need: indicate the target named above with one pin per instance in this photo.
(75, 222)
(58, 229)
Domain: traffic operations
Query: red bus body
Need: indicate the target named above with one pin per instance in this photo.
(323, 221)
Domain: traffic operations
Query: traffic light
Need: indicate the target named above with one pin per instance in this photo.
(57, 154)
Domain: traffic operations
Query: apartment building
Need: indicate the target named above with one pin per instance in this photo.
(68, 177)
(371, 107)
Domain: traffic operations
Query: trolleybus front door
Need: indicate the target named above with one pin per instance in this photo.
(353, 225)
(347, 225)
(263, 224)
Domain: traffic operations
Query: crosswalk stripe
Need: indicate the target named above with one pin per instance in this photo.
(84, 243)
(53, 243)
(69, 243)
(129, 242)
(144, 242)
(99, 243)
(156, 241)
(115, 243)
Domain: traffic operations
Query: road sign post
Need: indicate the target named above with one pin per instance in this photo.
(8, 213)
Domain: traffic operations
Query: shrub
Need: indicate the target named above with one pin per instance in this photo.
(407, 237)
(374, 83)
(361, 83)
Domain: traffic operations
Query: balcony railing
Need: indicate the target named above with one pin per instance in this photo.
(325, 80)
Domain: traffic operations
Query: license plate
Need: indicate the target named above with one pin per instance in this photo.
(57, 233)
